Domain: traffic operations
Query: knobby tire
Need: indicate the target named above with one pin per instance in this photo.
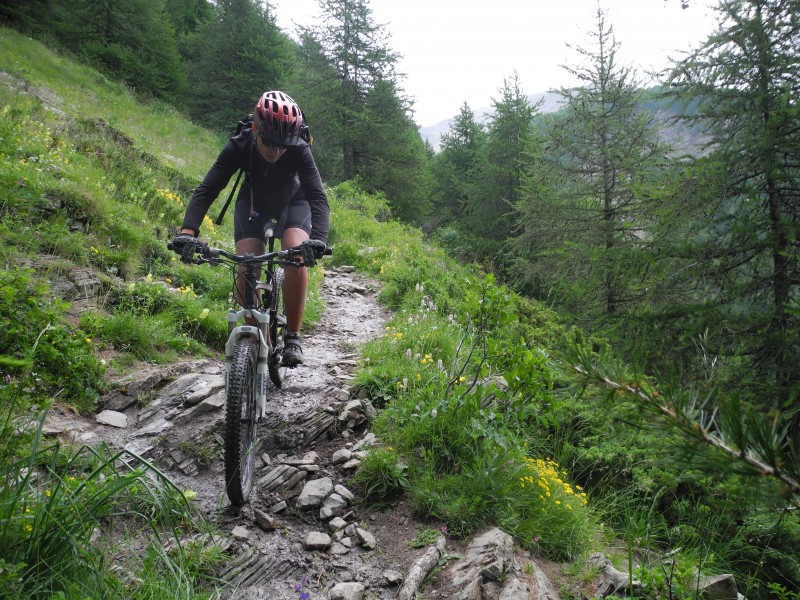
(240, 422)
(276, 371)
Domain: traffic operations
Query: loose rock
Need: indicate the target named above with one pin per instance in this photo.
(314, 492)
(351, 590)
(265, 521)
(316, 540)
(113, 418)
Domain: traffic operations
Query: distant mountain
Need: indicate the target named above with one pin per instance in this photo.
(551, 102)
(680, 136)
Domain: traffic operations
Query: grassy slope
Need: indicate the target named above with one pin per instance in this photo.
(84, 92)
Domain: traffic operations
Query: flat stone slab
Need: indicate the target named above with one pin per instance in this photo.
(113, 418)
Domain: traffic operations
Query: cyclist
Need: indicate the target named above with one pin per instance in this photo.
(281, 182)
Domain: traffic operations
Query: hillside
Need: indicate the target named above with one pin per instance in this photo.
(103, 187)
(476, 418)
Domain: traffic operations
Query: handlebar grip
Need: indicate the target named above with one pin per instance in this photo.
(169, 245)
(328, 251)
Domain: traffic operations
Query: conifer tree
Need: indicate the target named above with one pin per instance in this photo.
(231, 59)
(394, 160)
(363, 108)
(455, 165)
(586, 227)
(132, 41)
(187, 16)
(489, 210)
(315, 83)
(746, 75)
(356, 47)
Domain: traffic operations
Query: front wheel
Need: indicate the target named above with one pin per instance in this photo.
(240, 422)
(277, 324)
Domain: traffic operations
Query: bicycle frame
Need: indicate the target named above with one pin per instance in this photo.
(252, 309)
(265, 346)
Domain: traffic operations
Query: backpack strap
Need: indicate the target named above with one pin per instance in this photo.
(242, 126)
(230, 197)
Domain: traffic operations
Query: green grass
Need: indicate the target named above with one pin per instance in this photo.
(81, 91)
(58, 507)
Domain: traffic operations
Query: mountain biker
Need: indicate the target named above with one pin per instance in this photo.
(281, 182)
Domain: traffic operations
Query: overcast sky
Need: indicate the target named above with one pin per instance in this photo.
(462, 50)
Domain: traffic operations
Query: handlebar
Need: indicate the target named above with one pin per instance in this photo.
(218, 256)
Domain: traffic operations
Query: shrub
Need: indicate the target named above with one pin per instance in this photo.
(549, 512)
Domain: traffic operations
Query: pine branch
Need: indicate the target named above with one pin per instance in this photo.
(760, 444)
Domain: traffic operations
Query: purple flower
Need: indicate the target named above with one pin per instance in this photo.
(299, 588)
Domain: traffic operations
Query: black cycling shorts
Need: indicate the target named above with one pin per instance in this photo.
(297, 214)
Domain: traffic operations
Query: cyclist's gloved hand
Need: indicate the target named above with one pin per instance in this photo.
(186, 245)
(311, 250)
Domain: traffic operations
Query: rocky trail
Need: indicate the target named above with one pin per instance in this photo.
(304, 533)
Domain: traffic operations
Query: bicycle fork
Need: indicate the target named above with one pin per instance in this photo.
(240, 331)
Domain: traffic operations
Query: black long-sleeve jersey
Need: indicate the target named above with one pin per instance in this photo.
(272, 184)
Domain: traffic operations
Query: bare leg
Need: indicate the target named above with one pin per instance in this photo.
(295, 282)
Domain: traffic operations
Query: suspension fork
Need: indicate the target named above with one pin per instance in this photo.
(260, 331)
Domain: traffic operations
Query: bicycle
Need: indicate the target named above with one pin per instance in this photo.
(252, 353)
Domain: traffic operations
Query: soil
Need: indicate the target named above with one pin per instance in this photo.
(165, 425)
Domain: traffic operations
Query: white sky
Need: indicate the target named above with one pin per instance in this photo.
(462, 50)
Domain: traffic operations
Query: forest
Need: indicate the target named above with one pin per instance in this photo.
(677, 255)
(683, 254)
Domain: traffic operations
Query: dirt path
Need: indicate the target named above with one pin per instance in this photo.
(173, 415)
(314, 434)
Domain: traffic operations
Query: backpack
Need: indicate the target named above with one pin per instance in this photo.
(246, 124)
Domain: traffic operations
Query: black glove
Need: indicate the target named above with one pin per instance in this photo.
(311, 250)
(185, 245)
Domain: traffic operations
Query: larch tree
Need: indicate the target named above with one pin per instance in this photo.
(365, 111)
(455, 165)
(394, 159)
(586, 221)
(314, 83)
(187, 16)
(231, 59)
(489, 209)
(133, 42)
(747, 77)
(357, 48)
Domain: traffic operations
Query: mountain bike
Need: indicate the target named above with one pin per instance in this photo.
(252, 353)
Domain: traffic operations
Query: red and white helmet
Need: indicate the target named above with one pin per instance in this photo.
(279, 121)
